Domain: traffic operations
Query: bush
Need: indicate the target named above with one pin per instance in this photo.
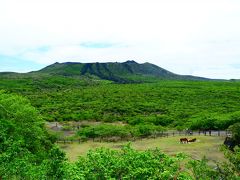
(25, 145)
(107, 131)
(126, 164)
(103, 131)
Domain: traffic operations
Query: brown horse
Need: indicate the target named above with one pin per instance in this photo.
(192, 140)
(183, 140)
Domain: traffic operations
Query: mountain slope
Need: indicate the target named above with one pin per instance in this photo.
(126, 72)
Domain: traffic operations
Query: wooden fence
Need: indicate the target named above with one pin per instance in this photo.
(166, 134)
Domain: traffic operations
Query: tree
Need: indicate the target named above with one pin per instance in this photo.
(25, 145)
(235, 128)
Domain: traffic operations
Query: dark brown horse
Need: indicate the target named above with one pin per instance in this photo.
(183, 140)
(192, 140)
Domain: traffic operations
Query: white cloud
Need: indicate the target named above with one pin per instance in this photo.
(186, 37)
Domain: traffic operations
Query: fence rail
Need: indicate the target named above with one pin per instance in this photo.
(166, 134)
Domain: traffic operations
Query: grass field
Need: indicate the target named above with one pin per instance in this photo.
(207, 146)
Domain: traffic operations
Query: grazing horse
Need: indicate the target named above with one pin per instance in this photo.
(183, 140)
(192, 140)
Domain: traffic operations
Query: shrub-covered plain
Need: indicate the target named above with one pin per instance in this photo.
(174, 104)
(27, 151)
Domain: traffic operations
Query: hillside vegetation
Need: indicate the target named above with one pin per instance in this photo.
(144, 104)
(198, 105)
(129, 92)
(27, 151)
(126, 72)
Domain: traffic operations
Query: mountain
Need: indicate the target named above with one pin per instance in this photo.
(126, 72)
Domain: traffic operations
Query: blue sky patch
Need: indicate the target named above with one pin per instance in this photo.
(14, 64)
(97, 45)
(43, 49)
(237, 66)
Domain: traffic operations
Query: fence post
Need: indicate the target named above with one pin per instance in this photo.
(205, 133)
(218, 133)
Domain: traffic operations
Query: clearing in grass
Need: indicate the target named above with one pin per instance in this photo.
(207, 146)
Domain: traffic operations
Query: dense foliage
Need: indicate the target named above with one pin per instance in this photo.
(127, 164)
(234, 159)
(27, 152)
(235, 129)
(123, 132)
(178, 104)
(151, 164)
(26, 149)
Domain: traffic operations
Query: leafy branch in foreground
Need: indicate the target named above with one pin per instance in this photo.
(26, 149)
(127, 164)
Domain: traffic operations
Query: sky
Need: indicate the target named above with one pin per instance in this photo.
(189, 37)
